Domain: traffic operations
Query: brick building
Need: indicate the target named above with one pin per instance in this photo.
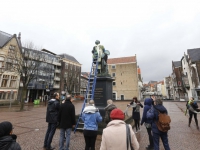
(124, 71)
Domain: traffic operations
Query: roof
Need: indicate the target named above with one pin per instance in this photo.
(69, 57)
(131, 59)
(194, 54)
(4, 38)
(177, 63)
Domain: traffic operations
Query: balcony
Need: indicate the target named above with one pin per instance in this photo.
(57, 63)
(57, 78)
(57, 70)
(56, 86)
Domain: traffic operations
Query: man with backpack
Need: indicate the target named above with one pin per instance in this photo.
(160, 124)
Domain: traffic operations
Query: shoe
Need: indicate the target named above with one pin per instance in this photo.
(136, 131)
(51, 148)
(139, 130)
(149, 147)
(198, 127)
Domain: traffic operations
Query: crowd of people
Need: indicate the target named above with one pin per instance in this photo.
(116, 135)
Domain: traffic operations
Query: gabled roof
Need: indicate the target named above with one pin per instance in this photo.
(194, 54)
(4, 38)
(177, 63)
(69, 57)
(131, 59)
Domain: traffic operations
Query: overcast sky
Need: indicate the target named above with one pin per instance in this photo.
(156, 31)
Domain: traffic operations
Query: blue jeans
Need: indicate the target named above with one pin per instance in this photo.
(62, 135)
(49, 134)
(164, 138)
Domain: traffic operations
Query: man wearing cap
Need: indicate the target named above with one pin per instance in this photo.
(67, 121)
(7, 139)
(114, 135)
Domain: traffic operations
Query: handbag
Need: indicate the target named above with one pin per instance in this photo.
(128, 138)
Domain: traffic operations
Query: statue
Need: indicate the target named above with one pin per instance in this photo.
(99, 50)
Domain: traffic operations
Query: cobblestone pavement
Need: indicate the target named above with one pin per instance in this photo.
(30, 127)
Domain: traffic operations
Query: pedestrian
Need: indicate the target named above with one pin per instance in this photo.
(153, 115)
(51, 117)
(91, 117)
(147, 122)
(7, 138)
(108, 109)
(67, 121)
(136, 112)
(192, 106)
(114, 136)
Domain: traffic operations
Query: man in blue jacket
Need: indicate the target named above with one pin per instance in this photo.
(147, 122)
(157, 134)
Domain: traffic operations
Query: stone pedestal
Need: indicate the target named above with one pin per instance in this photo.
(103, 92)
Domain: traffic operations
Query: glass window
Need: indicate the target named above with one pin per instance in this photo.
(3, 95)
(113, 74)
(113, 66)
(114, 83)
(114, 96)
(66, 66)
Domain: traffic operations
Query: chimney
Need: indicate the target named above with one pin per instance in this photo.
(19, 36)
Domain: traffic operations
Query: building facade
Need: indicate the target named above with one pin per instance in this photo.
(9, 80)
(124, 71)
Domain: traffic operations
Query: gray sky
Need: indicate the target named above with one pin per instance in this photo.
(156, 31)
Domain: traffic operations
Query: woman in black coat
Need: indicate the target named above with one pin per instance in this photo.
(136, 112)
(7, 139)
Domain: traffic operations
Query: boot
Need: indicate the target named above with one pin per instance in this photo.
(196, 121)
(190, 120)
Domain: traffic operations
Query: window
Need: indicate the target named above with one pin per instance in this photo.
(114, 83)
(5, 81)
(122, 97)
(114, 96)
(12, 83)
(3, 95)
(113, 66)
(8, 66)
(113, 74)
(66, 66)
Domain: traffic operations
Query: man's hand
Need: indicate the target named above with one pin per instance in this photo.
(153, 97)
(73, 126)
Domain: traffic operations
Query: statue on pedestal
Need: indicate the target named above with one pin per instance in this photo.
(101, 55)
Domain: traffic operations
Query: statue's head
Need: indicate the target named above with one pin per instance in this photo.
(97, 42)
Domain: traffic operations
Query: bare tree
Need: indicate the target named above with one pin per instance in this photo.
(71, 80)
(26, 64)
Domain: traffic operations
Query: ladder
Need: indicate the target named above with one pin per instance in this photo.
(89, 95)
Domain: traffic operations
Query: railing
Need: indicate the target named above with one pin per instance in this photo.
(57, 78)
(56, 86)
(57, 70)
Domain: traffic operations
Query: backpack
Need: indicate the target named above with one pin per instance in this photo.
(163, 122)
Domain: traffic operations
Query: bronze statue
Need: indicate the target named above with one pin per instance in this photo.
(101, 55)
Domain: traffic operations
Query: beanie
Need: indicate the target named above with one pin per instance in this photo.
(117, 114)
(5, 128)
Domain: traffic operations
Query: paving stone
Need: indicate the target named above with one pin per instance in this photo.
(30, 127)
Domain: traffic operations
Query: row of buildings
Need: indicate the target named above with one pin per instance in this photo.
(183, 82)
(57, 73)
(53, 73)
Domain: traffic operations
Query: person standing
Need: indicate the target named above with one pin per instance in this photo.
(91, 117)
(67, 121)
(7, 138)
(51, 117)
(136, 112)
(147, 122)
(192, 106)
(108, 109)
(157, 134)
(114, 135)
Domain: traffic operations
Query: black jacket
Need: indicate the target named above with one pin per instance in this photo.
(66, 117)
(52, 111)
(9, 143)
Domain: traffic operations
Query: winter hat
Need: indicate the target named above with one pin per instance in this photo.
(5, 128)
(117, 114)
